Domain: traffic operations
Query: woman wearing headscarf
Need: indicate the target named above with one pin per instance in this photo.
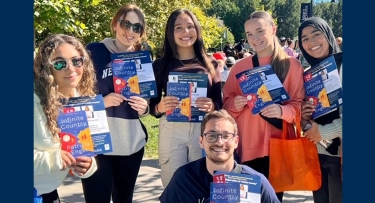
(317, 43)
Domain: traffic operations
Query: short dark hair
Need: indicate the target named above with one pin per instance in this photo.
(218, 114)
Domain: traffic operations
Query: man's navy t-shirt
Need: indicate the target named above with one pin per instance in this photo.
(191, 183)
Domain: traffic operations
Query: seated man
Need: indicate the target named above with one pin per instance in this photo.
(191, 182)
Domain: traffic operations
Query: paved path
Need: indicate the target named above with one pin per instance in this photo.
(149, 188)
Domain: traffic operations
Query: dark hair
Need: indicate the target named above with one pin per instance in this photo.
(170, 47)
(218, 114)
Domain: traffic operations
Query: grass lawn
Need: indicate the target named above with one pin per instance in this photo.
(152, 125)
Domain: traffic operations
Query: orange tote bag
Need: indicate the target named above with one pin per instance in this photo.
(294, 162)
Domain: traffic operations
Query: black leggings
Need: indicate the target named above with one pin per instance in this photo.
(52, 197)
(331, 189)
(262, 165)
(116, 176)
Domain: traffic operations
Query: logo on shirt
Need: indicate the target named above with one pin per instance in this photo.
(107, 71)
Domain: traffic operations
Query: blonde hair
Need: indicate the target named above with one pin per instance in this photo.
(45, 86)
(280, 60)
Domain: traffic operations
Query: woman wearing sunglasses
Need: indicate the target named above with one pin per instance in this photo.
(183, 52)
(62, 69)
(118, 171)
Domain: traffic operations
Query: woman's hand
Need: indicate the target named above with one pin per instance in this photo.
(240, 102)
(272, 111)
(168, 103)
(68, 160)
(205, 104)
(307, 109)
(82, 165)
(139, 104)
(113, 99)
(313, 133)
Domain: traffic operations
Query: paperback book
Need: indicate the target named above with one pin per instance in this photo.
(125, 78)
(75, 136)
(182, 113)
(261, 87)
(144, 70)
(248, 185)
(199, 84)
(323, 87)
(94, 111)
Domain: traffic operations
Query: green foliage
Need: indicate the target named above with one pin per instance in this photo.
(152, 126)
(90, 19)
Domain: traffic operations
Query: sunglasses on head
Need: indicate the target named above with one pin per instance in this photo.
(62, 64)
(137, 27)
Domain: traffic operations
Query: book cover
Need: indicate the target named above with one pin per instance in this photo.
(125, 78)
(323, 87)
(94, 110)
(183, 111)
(225, 192)
(248, 185)
(199, 83)
(75, 136)
(261, 87)
(145, 72)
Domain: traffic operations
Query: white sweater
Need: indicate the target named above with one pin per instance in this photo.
(48, 163)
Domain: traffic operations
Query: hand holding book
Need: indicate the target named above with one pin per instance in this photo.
(113, 99)
(205, 104)
(168, 103)
(240, 102)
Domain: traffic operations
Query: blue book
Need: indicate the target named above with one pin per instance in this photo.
(248, 185)
(145, 72)
(261, 87)
(75, 136)
(323, 87)
(224, 192)
(199, 83)
(182, 113)
(94, 110)
(125, 78)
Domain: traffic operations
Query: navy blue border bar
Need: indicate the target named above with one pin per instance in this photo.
(17, 101)
(358, 108)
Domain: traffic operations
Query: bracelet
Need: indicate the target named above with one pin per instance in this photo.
(157, 110)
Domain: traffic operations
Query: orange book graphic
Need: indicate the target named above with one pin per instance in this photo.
(134, 85)
(264, 94)
(84, 138)
(323, 98)
(186, 107)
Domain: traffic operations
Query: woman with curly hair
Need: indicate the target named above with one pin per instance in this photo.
(62, 69)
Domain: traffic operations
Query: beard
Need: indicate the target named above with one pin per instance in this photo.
(219, 160)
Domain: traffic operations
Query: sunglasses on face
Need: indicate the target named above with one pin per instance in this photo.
(62, 64)
(137, 27)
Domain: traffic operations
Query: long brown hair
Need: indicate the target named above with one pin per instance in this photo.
(122, 12)
(44, 84)
(280, 60)
(170, 47)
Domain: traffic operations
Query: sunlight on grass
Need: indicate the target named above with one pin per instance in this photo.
(152, 125)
